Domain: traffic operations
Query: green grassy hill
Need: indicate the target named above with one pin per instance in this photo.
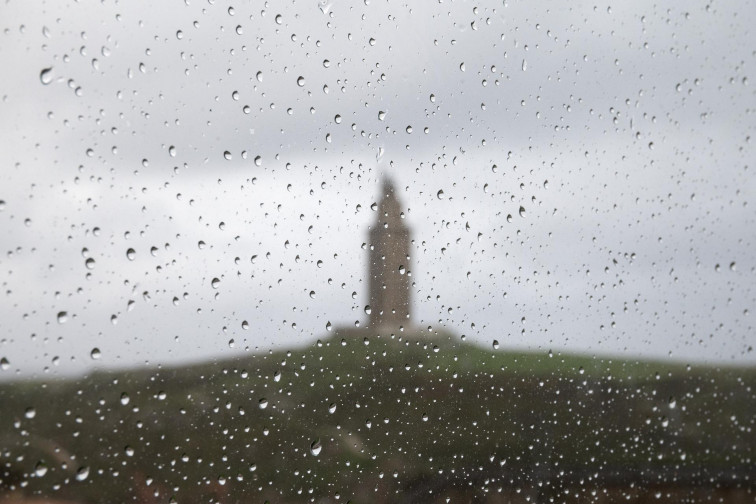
(378, 420)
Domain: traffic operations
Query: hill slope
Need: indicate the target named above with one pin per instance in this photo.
(380, 420)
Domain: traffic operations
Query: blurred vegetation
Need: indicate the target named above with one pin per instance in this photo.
(378, 420)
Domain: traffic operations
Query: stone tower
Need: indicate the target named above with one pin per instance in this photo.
(389, 264)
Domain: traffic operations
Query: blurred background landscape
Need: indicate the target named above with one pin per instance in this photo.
(188, 196)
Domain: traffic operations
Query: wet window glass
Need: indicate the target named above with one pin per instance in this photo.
(377, 251)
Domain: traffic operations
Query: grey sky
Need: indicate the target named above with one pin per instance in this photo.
(624, 132)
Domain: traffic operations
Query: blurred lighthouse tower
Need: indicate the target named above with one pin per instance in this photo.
(389, 269)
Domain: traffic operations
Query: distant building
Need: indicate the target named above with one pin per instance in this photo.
(389, 244)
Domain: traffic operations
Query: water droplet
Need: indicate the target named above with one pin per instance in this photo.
(129, 451)
(179, 34)
(214, 283)
(227, 156)
(332, 408)
(495, 344)
(328, 326)
(402, 270)
(381, 115)
(408, 129)
(522, 211)
(258, 160)
(440, 194)
(130, 254)
(277, 376)
(263, 403)
(30, 413)
(82, 473)
(46, 76)
(231, 343)
(95, 353)
(462, 66)
(524, 65)
(245, 325)
(172, 151)
(259, 76)
(89, 263)
(368, 310)
(279, 19)
(300, 81)
(62, 317)
(40, 469)
(316, 447)
(125, 399)
(4, 364)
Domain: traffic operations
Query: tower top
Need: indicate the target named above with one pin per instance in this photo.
(389, 209)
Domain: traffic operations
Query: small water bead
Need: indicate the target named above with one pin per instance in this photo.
(440, 194)
(214, 283)
(227, 155)
(259, 76)
(368, 310)
(522, 211)
(316, 447)
(129, 451)
(172, 151)
(263, 403)
(332, 408)
(300, 81)
(279, 19)
(328, 326)
(95, 354)
(495, 344)
(89, 263)
(125, 399)
(62, 317)
(130, 254)
(4, 364)
(30, 413)
(245, 325)
(258, 161)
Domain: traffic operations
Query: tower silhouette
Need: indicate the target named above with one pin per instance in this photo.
(389, 264)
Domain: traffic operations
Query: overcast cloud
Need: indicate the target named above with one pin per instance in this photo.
(182, 130)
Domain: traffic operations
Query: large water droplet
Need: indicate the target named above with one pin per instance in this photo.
(300, 81)
(40, 469)
(316, 447)
(263, 403)
(62, 317)
(95, 353)
(82, 473)
(130, 254)
(46, 76)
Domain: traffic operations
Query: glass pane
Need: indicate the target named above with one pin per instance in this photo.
(377, 252)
